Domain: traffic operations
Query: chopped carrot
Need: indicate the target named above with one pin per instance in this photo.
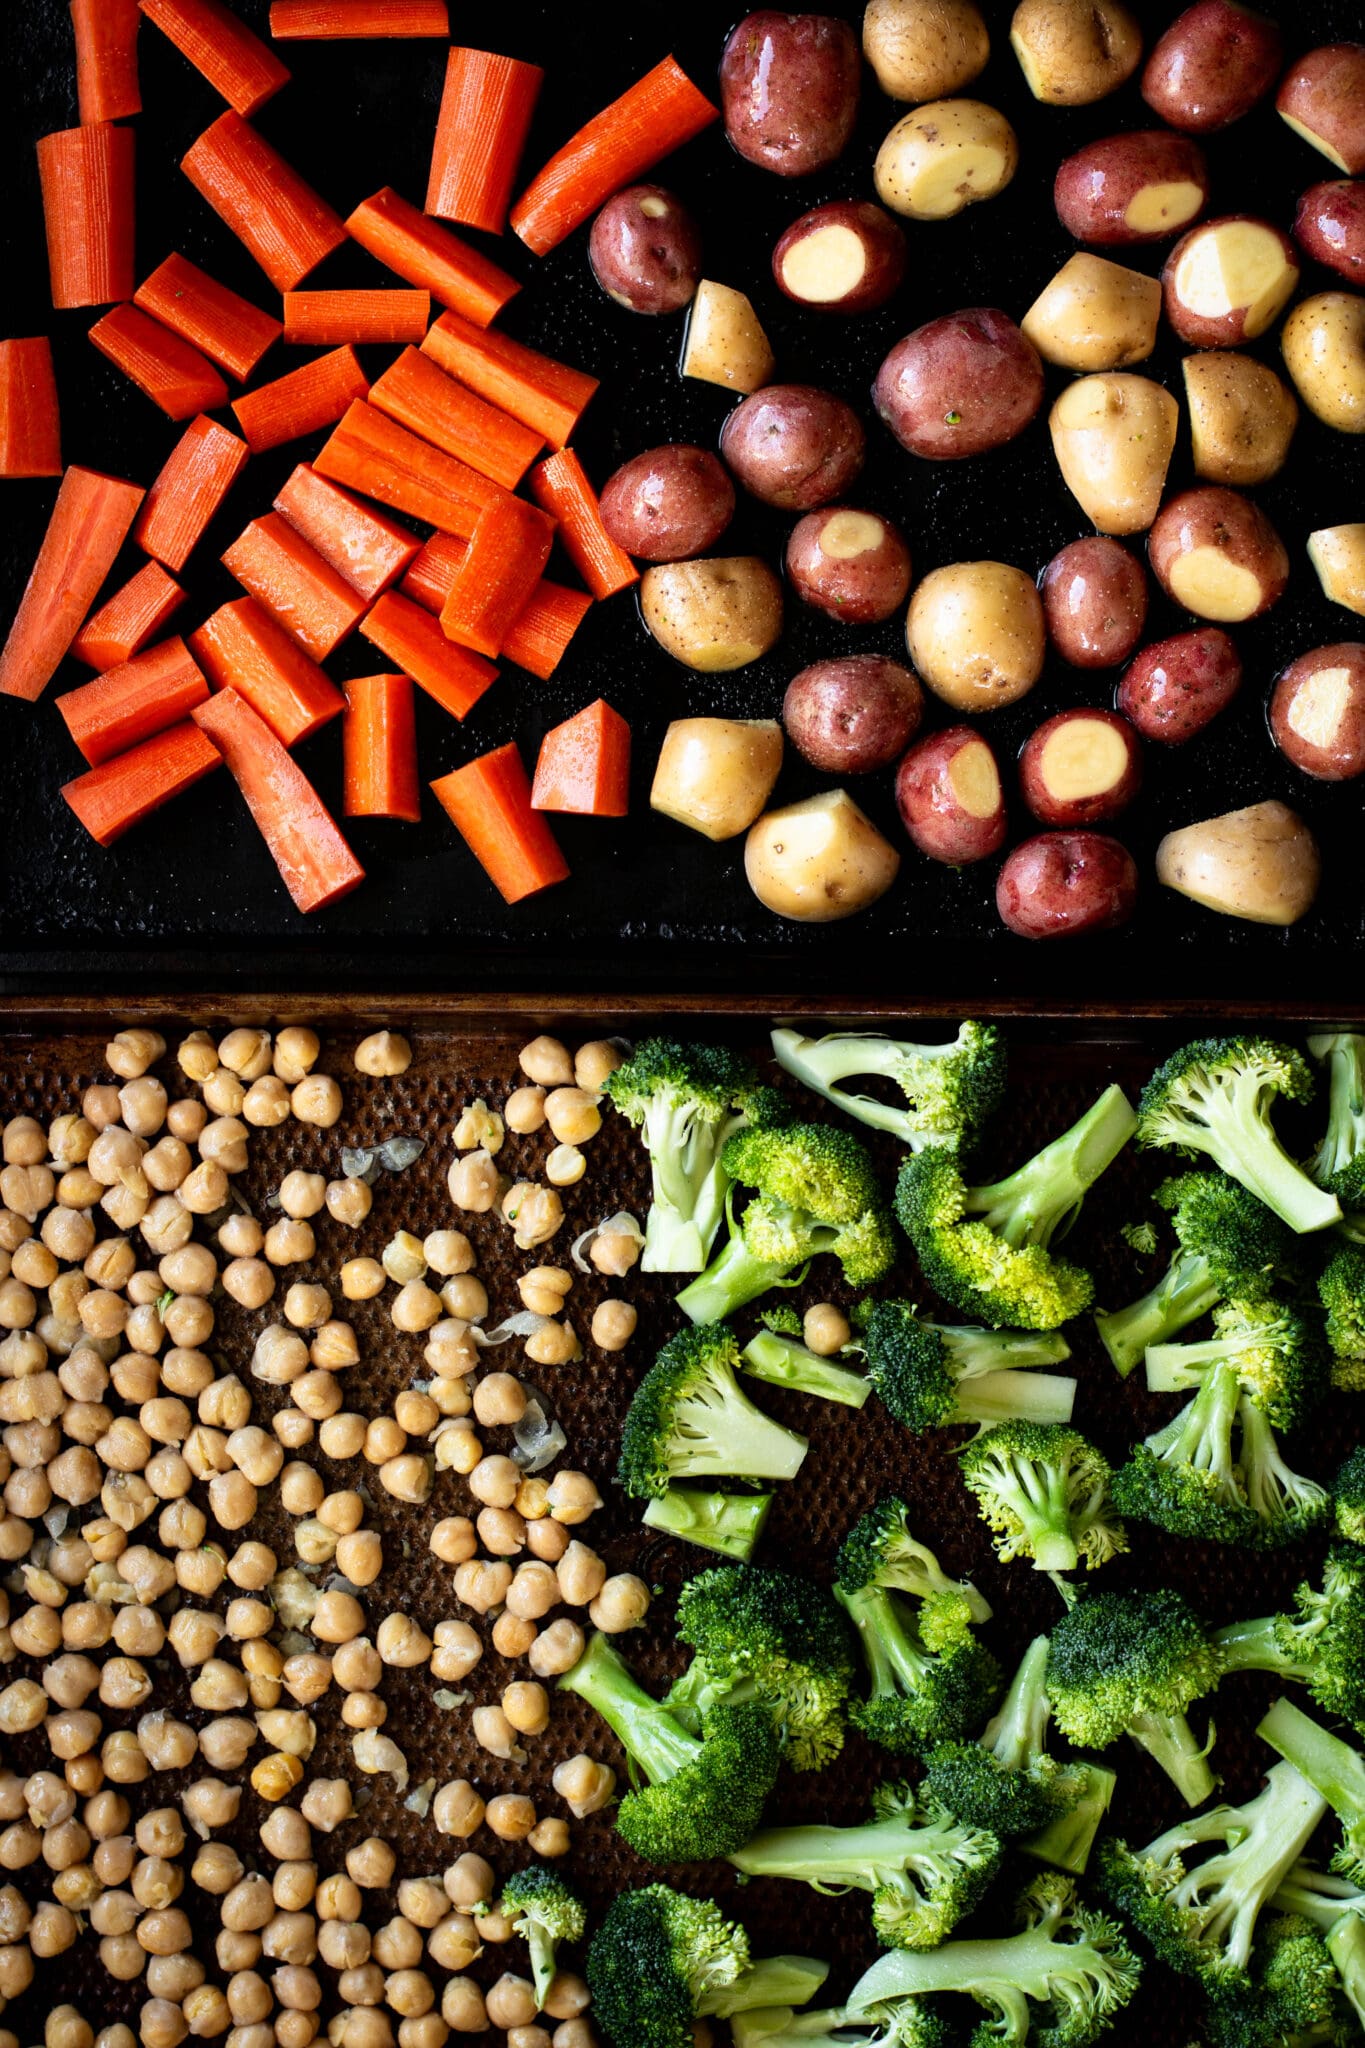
(369, 550)
(128, 704)
(171, 373)
(110, 799)
(562, 488)
(198, 474)
(315, 863)
(321, 319)
(267, 205)
(486, 110)
(539, 638)
(398, 235)
(379, 749)
(218, 43)
(489, 803)
(277, 567)
(584, 765)
(128, 620)
(242, 648)
(88, 213)
(30, 421)
(544, 395)
(420, 396)
(382, 460)
(106, 59)
(508, 548)
(316, 395)
(229, 330)
(429, 579)
(657, 115)
(89, 525)
(336, 20)
(454, 677)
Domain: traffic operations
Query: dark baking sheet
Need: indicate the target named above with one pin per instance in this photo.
(194, 894)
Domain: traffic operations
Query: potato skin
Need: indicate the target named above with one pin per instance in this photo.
(944, 156)
(645, 250)
(1260, 863)
(1338, 557)
(1211, 529)
(794, 446)
(932, 808)
(1113, 435)
(1323, 342)
(1329, 226)
(1242, 417)
(1098, 192)
(1073, 52)
(853, 565)
(789, 88)
(669, 503)
(1095, 601)
(883, 255)
(819, 860)
(976, 634)
(714, 775)
(1323, 97)
(1060, 885)
(1211, 66)
(960, 385)
(1094, 315)
(715, 614)
(1178, 686)
(924, 49)
(854, 714)
(1227, 329)
(1326, 741)
(1066, 732)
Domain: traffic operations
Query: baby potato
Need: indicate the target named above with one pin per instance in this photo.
(794, 446)
(1317, 713)
(1228, 280)
(1217, 554)
(669, 503)
(1094, 315)
(716, 774)
(1242, 417)
(819, 860)
(724, 342)
(1260, 863)
(1061, 885)
(852, 565)
(1095, 602)
(950, 797)
(976, 634)
(853, 714)
(959, 385)
(1323, 342)
(1113, 435)
(645, 250)
(1322, 97)
(944, 156)
(1177, 686)
(1338, 555)
(847, 256)
(1131, 188)
(1073, 52)
(1211, 66)
(924, 49)
(789, 90)
(1080, 768)
(1329, 226)
(714, 614)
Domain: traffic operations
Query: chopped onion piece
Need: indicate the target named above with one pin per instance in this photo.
(446, 1699)
(419, 1800)
(539, 1437)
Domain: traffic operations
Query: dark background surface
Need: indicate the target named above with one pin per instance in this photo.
(193, 896)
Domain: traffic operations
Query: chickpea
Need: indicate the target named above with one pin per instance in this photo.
(348, 1202)
(494, 1481)
(613, 1325)
(327, 1803)
(534, 1213)
(622, 1603)
(528, 2037)
(565, 1166)
(401, 1642)
(362, 1279)
(415, 1307)
(222, 1143)
(478, 1125)
(533, 1592)
(578, 2034)
(557, 1648)
(457, 1809)
(573, 1497)
(550, 1837)
(371, 1863)
(338, 1617)
(594, 1063)
(415, 1412)
(481, 1585)
(296, 1051)
(142, 1104)
(341, 1512)
(533, 1498)
(511, 1636)
(465, 1297)
(293, 1428)
(316, 1100)
(512, 2002)
(545, 1289)
(474, 1182)
(205, 1188)
(547, 1539)
(360, 1556)
(286, 1834)
(186, 1118)
(455, 1941)
(290, 1242)
(280, 1356)
(825, 1329)
(456, 1649)
(462, 2006)
(511, 1816)
(383, 1054)
(526, 1705)
(307, 1306)
(584, 1784)
(275, 1776)
(266, 1103)
(316, 1394)
(451, 1352)
(501, 1531)
(553, 1344)
(211, 1803)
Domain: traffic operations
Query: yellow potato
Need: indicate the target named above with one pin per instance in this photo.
(1095, 315)
(716, 774)
(1113, 436)
(1323, 341)
(924, 49)
(714, 614)
(819, 860)
(1338, 555)
(1074, 51)
(724, 342)
(976, 634)
(945, 156)
(1261, 864)
(1242, 417)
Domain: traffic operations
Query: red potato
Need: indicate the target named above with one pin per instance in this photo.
(794, 446)
(1131, 188)
(1178, 686)
(1322, 97)
(789, 90)
(1060, 885)
(950, 797)
(668, 504)
(645, 250)
(1217, 554)
(1211, 66)
(853, 565)
(1329, 226)
(1081, 767)
(1317, 712)
(1228, 280)
(960, 385)
(853, 715)
(1095, 602)
(845, 257)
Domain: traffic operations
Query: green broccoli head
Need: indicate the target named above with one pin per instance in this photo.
(1132, 1663)
(973, 1785)
(652, 1962)
(816, 1191)
(1324, 1633)
(949, 1089)
(1274, 1346)
(691, 1419)
(545, 1910)
(1341, 1288)
(1217, 1220)
(880, 1550)
(1348, 1497)
(1294, 1990)
(970, 1265)
(929, 1375)
(713, 1803)
(706, 1082)
(919, 1693)
(1044, 1493)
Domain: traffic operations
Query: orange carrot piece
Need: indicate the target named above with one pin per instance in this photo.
(129, 620)
(401, 237)
(30, 420)
(242, 648)
(429, 579)
(315, 863)
(539, 638)
(544, 395)
(382, 460)
(338, 20)
(420, 396)
(379, 749)
(267, 205)
(368, 550)
(229, 330)
(277, 567)
(126, 705)
(584, 765)
(507, 550)
(562, 488)
(171, 373)
(198, 474)
(657, 115)
(89, 525)
(124, 791)
(219, 44)
(489, 803)
(106, 59)
(453, 676)
(320, 319)
(86, 176)
(486, 110)
(317, 395)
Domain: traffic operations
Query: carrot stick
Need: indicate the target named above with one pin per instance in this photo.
(561, 487)
(267, 205)
(277, 567)
(429, 256)
(124, 791)
(336, 20)
(235, 62)
(489, 803)
(88, 213)
(317, 395)
(486, 109)
(539, 638)
(379, 749)
(128, 704)
(242, 648)
(229, 330)
(655, 116)
(544, 395)
(584, 765)
(30, 420)
(429, 579)
(409, 636)
(128, 620)
(422, 398)
(364, 547)
(382, 460)
(89, 525)
(507, 550)
(315, 863)
(317, 319)
(171, 373)
(106, 59)
(198, 474)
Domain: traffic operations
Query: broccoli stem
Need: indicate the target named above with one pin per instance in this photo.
(1170, 1739)
(1014, 1396)
(652, 1738)
(1032, 1204)
(772, 1980)
(1065, 1843)
(821, 1064)
(1246, 1147)
(1344, 1138)
(733, 1277)
(895, 1663)
(785, 1363)
(540, 1947)
(973, 1353)
(834, 1859)
(730, 1523)
(1255, 1646)
(1346, 1947)
(1011, 1971)
(1186, 1291)
(1334, 1770)
(1018, 1732)
(1174, 1368)
(689, 1187)
(1034, 1490)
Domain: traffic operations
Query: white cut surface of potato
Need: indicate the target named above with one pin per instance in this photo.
(725, 342)
(1260, 863)
(1338, 555)
(716, 774)
(1081, 758)
(1231, 265)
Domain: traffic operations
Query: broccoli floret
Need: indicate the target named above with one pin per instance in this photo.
(702, 1797)
(1339, 1161)
(660, 1961)
(1341, 1289)
(902, 2024)
(1332, 1768)
(1294, 1987)
(730, 1523)
(816, 1191)
(1287, 1506)
(986, 1249)
(1066, 1842)
(1007, 1782)
(1319, 1643)
(1043, 1492)
(1274, 1347)
(1336, 1907)
(1216, 1096)
(1348, 1497)
(784, 1362)
(544, 1910)
(949, 1090)
(689, 1418)
(1132, 1663)
(931, 1374)
(925, 1867)
(879, 1550)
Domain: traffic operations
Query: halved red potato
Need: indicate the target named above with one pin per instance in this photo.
(789, 89)
(794, 446)
(1177, 686)
(853, 565)
(950, 797)
(845, 257)
(1317, 712)
(1060, 885)
(1095, 602)
(960, 385)
(1131, 188)
(1217, 554)
(854, 714)
(1081, 767)
(669, 504)
(1228, 280)
(1329, 226)
(1211, 66)
(1322, 97)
